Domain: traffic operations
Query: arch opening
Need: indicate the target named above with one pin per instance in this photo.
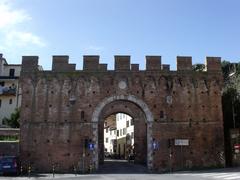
(118, 138)
(142, 118)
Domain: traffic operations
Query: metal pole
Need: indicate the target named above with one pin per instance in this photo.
(233, 114)
(29, 171)
(170, 160)
(181, 157)
(21, 170)
(75, 170)
(53, 170)
(83, 157)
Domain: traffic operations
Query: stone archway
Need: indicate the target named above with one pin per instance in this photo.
(148, 118)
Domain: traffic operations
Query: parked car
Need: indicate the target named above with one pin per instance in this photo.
(9, 165)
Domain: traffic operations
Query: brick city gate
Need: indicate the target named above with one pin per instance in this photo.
(143, 119)
(63, 107)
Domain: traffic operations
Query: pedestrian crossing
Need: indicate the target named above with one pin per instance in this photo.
(215, 175)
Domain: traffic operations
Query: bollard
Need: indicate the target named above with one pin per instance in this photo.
(53, 170)
(21, 170)
(29, 171)
(75, 170)
(170, 162)
(90, 168)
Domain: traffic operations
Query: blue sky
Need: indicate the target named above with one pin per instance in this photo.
(169, 28)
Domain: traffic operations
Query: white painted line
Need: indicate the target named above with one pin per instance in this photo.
(224, 176)
(213, 174)
(234, 177)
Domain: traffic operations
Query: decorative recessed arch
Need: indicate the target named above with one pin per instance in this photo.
(149, 120)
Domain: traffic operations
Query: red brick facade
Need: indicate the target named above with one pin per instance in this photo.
(63, 107)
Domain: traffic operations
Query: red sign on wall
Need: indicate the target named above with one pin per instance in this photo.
(237, 146)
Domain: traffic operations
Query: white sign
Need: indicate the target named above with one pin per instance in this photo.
(169, 99)
(181, 142)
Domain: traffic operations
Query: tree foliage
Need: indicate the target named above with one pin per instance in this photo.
(13, 121)
(198, 67)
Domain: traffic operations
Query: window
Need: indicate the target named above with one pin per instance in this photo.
(11, 72)
(2, 83)
(131, 122)
(124, 131)
(106, 140)
(117, 132)
(106, 130)
(127, 123)
(120, 132)
(0, 102)
(110, 132)
(10, 101)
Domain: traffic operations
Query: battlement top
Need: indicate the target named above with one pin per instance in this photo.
(60, 63)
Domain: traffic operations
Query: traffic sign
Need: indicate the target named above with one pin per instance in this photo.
(155, 145)
(91, 146)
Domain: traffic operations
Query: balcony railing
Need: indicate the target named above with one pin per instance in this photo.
(7, 91)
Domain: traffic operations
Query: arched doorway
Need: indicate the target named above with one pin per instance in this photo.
(118, 138)
(143, 119)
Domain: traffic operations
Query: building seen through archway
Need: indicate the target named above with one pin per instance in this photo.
(119, 137)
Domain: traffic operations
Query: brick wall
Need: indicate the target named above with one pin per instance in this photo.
(184, 105)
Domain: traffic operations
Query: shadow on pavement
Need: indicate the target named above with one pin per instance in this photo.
(121, 167)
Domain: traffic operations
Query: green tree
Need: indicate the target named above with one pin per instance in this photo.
(198, 67)
(230, 104)
(13, 121)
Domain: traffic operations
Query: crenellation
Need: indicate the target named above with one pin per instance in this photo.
(122, 63)
(184, 63)
(60, 64)
(60, 59)
(103, 67)
(29, 63)
(153, 63)
(213, 63)
(134, 67)
(90, 63)
(71, 67)
(165, 67)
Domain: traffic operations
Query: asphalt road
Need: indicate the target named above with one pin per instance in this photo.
(129, 171)
(177, 176)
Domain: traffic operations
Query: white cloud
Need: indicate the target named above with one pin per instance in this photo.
(11, 21)
(16, 38)
(10, 17)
